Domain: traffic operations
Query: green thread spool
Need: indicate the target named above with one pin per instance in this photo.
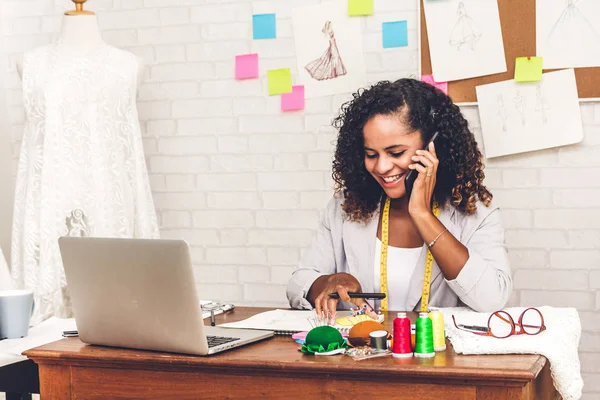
(424, 341)
(439, 335)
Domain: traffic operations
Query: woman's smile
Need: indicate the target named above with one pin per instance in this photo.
(391, 180)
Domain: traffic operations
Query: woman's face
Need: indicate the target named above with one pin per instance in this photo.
(389, 146)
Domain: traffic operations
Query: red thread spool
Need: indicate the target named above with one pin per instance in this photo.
(401, 344)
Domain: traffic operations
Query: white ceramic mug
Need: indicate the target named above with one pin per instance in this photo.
(16, 308)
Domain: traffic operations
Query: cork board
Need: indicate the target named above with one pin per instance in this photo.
(517, 19)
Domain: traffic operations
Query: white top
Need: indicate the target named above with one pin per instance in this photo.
(401, 263)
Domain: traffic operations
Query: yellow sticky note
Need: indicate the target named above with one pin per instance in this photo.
(360, 7)
(528, 69)
(280, 81)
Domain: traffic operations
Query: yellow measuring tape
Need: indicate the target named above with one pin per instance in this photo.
(385, 228)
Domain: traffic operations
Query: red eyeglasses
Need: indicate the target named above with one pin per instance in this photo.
(501, 325)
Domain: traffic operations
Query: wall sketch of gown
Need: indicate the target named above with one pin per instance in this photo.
(465, 31)
(541, 104)
(572, 32)
(519, 101)
(330, 64)
(82, 170)
(502, 111)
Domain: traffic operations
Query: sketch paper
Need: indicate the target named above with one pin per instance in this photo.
(329, 49)
(520, 117)
(568, 33)
(465, 38)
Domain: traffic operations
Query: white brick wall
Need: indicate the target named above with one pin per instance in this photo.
(244, 183)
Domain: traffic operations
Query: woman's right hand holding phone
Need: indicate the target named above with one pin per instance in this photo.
(340, 283)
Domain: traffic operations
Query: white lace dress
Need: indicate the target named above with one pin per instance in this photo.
(81, 170)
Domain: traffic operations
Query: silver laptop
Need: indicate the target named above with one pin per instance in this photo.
(141, 293)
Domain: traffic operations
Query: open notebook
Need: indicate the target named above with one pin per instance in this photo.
(288, 322)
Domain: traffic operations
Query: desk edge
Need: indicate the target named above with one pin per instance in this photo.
(450, 373)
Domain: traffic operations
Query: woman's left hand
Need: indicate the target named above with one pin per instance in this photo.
(420, 198)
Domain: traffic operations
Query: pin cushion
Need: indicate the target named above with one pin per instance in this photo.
(323, 339)
(359, 334)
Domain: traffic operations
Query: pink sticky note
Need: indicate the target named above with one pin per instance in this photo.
(294, 100)
(246, 66)
(443, 86)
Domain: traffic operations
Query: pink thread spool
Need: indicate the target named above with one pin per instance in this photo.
(401, 333)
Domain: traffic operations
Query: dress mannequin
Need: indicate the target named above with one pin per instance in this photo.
(82, 170)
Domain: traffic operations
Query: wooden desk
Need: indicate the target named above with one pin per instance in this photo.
(275, 369)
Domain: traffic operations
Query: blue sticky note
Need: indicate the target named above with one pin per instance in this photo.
(395, 34)
(264, 26)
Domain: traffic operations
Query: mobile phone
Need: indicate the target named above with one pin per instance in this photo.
(409, 179)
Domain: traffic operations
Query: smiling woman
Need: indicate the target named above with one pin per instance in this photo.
(373, 236)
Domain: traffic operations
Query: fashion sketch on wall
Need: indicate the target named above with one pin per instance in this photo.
(82, 170)
(568, 33)
(329, 50)
(465, 38)
(465, 32)
(502, 114)
(519, 117)
(330, 65)
(541, 104)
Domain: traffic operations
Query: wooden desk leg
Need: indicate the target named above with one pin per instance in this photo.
(55, 382)
(18, 396)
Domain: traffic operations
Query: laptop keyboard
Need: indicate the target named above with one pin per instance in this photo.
(219, 340)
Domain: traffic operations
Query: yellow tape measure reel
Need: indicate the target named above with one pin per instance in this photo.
(385, 227)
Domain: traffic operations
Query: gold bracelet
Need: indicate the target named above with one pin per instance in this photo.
(436, 238)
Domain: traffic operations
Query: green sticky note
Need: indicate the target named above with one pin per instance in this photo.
(360, 7)
(528, 69)
(280, 81)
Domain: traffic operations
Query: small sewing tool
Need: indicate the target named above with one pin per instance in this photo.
(353, 319)
(319, 320)
(379, 340)
(359, 334)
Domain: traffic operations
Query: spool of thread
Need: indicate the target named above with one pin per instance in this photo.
(424, 343)
(401, 345)
(439, 335)
(379, 340)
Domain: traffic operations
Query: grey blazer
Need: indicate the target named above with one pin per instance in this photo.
(339, 245)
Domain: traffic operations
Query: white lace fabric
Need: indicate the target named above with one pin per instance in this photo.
(81, 170)
(558, 343)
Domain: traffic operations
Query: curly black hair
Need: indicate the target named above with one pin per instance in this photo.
(422, 107)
